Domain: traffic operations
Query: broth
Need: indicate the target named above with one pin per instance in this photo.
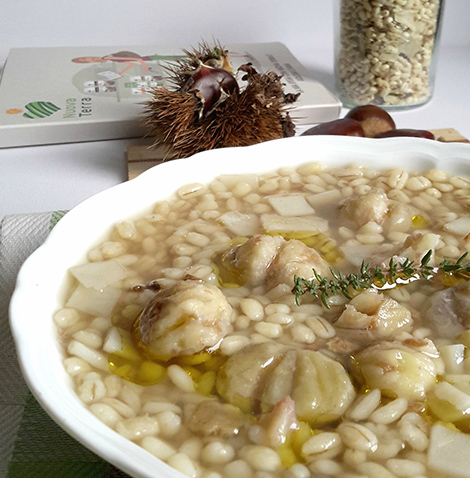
(182, 332)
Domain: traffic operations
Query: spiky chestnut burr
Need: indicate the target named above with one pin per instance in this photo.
(216, 56)
(207, 110)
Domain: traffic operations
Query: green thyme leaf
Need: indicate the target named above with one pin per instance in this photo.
(321, 288)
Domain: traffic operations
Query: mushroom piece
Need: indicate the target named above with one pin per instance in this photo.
(263, 375)
(185, 319)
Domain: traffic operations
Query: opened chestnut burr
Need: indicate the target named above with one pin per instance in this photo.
(205, 108)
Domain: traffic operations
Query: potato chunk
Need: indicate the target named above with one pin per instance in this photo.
(448, 452)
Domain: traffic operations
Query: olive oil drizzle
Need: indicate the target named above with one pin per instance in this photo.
(139, 364)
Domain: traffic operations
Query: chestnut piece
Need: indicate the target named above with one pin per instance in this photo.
(212, 86)
(341, 127)
(374, 120)
(415, 133)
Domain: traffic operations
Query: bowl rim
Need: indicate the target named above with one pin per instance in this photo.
(40, 282)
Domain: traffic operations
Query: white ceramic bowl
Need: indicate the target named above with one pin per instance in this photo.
(41, 280)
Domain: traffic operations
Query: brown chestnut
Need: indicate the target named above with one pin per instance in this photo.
(374, 120)
(415, 133)
(341, 127)
(212, 86)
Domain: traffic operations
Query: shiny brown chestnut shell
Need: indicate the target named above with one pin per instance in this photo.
(403, 132)
(374, 120)
(211, 85)
(341, 127)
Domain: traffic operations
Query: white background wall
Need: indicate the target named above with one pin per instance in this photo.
(300, 24)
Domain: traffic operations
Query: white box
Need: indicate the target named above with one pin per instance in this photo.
(72, 94)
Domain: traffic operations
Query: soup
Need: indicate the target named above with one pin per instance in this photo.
(227, 334)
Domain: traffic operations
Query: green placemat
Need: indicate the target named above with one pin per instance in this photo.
(43, 449)
(31, 444)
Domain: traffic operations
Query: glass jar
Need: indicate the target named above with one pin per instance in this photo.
(385, 51)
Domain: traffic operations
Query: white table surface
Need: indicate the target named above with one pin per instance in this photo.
(45, 178)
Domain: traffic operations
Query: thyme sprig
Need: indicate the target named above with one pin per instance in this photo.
(397, 273)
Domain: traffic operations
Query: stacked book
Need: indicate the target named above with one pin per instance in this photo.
(63, 95)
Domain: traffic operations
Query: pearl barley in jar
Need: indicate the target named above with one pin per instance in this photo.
(386, 51)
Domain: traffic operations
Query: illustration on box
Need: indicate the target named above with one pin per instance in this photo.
(86, 93)
(120, 75)
(123, 74)
(126, 73)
